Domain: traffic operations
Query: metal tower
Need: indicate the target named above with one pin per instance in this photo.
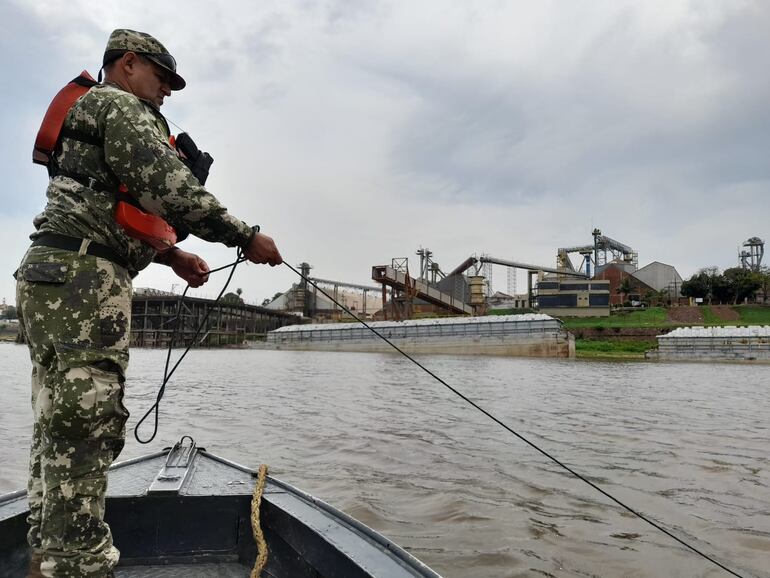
(430, 272)
(604, 246)
(486, 271)
(303, 297)
(564, 262)
(511, 281)
(752, 259)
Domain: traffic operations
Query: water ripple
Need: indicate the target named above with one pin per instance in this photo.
(684, 443)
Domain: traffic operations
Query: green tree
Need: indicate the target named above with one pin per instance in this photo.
(624, 288)
(650, 298)
(269, 300)
(10, 312)
(743, 282)
(764, 277)
(696, 286)
(232, 298)
(722, 290)
(702, 284)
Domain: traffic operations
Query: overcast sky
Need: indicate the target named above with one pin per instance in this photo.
(355, 131)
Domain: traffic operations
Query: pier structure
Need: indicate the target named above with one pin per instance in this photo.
(229, 323)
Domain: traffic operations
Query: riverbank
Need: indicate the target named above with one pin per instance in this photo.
(9, 332)
(628, 334)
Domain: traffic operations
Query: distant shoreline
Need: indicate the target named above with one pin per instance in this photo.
(629, 333)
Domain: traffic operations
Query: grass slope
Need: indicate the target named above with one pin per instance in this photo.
(658, 317)
(626, 349)
(652, 317)
(648, 317)
(753, 314)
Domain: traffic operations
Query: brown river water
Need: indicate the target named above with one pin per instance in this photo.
(686, 444)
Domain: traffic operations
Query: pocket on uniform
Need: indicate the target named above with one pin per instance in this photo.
(87, 403)
(76, 355)
(54, 273)
(110, 415)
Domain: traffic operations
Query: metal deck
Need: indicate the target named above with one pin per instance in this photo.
(186, 570)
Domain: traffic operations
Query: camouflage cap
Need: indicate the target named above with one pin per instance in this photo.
(123, 40)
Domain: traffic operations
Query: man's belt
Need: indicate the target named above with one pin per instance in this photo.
(88, 182)
(56, 241)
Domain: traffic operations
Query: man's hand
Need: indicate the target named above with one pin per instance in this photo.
(188, 266)
(262, 249)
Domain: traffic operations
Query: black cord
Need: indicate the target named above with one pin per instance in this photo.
(166, 373)
(518, 435)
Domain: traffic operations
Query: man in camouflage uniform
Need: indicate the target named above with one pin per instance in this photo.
(74, 292)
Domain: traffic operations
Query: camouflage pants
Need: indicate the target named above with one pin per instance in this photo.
(75, 310)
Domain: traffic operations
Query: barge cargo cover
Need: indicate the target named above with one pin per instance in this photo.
(750, 343)
(527, 335)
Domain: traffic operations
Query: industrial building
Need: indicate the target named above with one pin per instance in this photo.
(573, 291)
(618, 264)
(608, 275)
(321, 307)
(466, 290)
(309, 299)
(618, 274)
(654, 282)
(562, 297)
(500, 300)
(662, 278)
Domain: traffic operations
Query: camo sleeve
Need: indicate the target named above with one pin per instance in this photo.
(136, 148)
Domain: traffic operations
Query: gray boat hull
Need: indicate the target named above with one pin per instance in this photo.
(194, 519)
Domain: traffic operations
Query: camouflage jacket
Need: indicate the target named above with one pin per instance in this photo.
(122, 139)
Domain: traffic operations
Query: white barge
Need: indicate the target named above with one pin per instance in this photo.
(526, 335)
(750, 343)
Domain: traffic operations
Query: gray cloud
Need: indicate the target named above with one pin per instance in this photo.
(356, 131)
(627, 105)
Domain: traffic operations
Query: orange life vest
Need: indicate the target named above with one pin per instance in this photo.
(138, 224)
